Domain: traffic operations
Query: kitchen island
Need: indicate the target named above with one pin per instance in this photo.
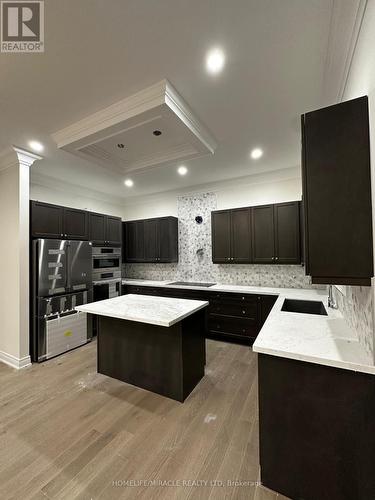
(156, 343)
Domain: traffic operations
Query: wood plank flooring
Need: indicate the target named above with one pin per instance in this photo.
(67, 432)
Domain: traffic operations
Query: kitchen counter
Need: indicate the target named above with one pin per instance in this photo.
(161, 311)
(325, 340)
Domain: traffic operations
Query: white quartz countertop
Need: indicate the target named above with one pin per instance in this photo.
(162, 311)
(325, 340)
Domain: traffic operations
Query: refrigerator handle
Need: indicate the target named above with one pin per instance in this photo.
(68, 270)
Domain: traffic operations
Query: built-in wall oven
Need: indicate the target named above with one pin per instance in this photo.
(106, 263)
(106, 275)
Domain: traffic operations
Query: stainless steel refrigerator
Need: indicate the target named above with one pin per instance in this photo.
(61, 280)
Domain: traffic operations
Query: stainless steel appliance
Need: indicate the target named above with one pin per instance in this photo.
(106, 263)
(62, 279)
(106, 275)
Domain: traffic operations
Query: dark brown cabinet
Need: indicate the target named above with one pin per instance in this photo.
(266, 234)
(151, 240)
(263, 234)
(133, 242)
(287, 233)
(75, 224)
(230, 316)
(231, 240)
(46, 221)
(53, 221)
(105, 230)
(337, 194)
(221, 236)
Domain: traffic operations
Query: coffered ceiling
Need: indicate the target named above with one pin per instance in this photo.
(282, 59)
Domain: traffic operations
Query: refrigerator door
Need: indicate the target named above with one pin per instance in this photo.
(51, 267)
(79, 265)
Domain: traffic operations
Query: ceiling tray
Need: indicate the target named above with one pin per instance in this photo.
(125, 136)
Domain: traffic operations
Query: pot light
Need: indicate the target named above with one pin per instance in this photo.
(182, 170)
(215, 61)
(129, 183)
(256, 153)
(36, 146)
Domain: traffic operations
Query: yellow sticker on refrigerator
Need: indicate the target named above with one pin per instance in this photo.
(68, 333)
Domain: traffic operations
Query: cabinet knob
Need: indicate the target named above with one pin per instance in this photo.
(243, 298)
(228, 258)
(276, 258)
(243, 312)
(273, 258)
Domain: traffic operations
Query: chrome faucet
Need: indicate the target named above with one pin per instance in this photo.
(331, 301)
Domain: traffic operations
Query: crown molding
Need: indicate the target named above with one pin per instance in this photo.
(15, 156)
(345, 26)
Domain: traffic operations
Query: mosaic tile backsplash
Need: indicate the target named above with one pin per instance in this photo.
(357, 308)
(195, 264)
(195, 261)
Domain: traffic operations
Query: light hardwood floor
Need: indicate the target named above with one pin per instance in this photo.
(67, 432)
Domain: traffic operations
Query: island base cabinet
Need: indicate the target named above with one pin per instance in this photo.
(165, 360)
(317, 430)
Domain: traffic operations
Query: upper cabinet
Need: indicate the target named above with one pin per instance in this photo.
(151, 240)
(337, 194)
(52, 221)
(105, 230)
(231, 240)
(267, 234)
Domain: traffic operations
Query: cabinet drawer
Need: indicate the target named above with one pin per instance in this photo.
(238, 309)
(232, 326)
(141, 290)
(232, 298)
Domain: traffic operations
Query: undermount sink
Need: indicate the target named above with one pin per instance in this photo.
(304, 306)
(192, 283)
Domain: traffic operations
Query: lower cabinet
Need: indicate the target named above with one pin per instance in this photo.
(231, 316)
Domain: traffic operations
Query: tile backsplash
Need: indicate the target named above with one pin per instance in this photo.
(356, 305)
(195, 260)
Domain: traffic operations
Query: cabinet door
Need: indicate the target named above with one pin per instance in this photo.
(97, 228)
(76, 225)
(168, 239)
(113, 231)
(134, 241)
(151, 244)
(287, 233)
(337, 193)
(241, 237)
(46, 220)
(263, 235)
(221, 236)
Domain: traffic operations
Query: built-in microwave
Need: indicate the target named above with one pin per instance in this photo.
(106, 263)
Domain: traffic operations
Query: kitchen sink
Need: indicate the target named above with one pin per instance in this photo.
(304, 306)
(192, 283)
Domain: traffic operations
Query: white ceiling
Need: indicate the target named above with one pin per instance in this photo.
(279, 60)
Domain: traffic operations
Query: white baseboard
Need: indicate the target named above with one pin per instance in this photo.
(14, 362)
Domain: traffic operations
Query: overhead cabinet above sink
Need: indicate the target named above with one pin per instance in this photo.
(337, 194)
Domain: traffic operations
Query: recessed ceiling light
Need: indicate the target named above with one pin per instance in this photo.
(120, 145)
(36, 146)
(256, 153)
(129, 183)
(215, 61)
(182, 170)
(157, 132)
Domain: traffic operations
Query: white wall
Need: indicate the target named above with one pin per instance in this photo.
(272, 187)
(74, 198)
(358, 303)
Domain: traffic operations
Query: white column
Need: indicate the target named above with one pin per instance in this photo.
(15, 166)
